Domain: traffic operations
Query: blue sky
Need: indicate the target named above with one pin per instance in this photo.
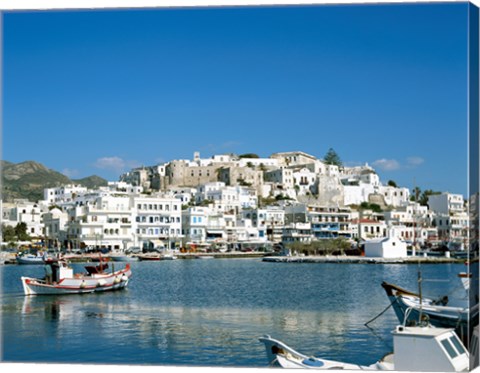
(100, 92)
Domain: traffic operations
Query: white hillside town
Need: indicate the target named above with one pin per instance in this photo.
(241, 203)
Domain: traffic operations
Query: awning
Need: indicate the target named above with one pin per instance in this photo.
(157, 243)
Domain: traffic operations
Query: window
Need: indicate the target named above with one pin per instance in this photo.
(458, 345)
(449, 348)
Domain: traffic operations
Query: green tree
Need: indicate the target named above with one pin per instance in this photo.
(424, 197)
(248, 155)
(392, 183)
(416, 194)
(370, 206)
(21, 232)
(8, 233)
(332, 158)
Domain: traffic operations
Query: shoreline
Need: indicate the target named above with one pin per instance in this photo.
(268, 257)
(361, 260)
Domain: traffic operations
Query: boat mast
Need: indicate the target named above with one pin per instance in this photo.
(419, 279)
(419, 276)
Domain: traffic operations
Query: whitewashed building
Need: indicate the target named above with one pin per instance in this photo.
(386, 247)
(63, 194)
(24, 211)
(157, 221)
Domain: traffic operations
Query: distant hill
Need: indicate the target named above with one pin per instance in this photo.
(28, 179)
(91, 182)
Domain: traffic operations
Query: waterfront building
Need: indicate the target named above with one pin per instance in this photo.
(269, 222)
(297, 232)
(194, 225)
(387, 247)
(325, 221)
(156, 221)
(103, 221)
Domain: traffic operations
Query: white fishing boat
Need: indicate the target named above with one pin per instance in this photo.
(416, 348)
(60, 279)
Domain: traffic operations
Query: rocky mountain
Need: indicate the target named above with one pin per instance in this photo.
(28, 179)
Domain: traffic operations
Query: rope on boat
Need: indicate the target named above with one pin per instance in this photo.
(381, 313)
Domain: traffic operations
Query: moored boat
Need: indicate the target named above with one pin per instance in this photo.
(409, 305)
(150, 257)
(60, 280)
(25, 258)
(124, 258)
(416, 348)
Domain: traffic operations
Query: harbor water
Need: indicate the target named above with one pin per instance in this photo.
(212, 312)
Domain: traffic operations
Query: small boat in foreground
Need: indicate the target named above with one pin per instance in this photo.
(60, 280)
(416, 348)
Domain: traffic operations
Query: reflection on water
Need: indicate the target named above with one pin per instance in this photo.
(211, 313)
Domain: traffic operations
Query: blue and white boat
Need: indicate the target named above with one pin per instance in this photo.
(24, 258)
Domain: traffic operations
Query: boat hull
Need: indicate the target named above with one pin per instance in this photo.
(124, 258)
(281, 355)
(27, 260)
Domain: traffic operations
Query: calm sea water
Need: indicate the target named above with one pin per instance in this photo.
(211, 313)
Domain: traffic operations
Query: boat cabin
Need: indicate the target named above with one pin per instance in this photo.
(428, 349)
(59, 270)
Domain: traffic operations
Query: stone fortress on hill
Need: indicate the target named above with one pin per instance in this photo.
(296, 175)
(236, 202)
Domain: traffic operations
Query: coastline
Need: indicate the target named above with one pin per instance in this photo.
(268, 257)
